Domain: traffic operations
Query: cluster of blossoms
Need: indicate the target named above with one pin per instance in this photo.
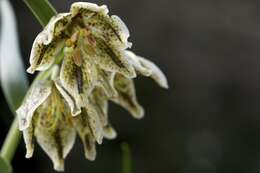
(84, 63)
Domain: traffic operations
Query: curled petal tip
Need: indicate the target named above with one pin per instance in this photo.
(29, 153)
(30, 70)
(90, 156)
(100, 140)
(109, 133)
(59, 165)
(75, 112)
(165, 85)
(139, 114)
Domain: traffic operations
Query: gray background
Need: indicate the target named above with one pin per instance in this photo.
(208, 121)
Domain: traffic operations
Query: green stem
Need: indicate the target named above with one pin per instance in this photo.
(42, 10)
(11, 142)
(126, 158)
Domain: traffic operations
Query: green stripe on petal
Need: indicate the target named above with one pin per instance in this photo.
(111, 59)
(57, 141)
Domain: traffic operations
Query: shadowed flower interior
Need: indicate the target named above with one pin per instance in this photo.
(84, 64)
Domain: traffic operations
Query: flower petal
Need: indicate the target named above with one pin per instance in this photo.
(109, 132)
(95, 124)
(43, 56)
(56, 140)
(75, 109)
(111, 59)
(122, 30)
(110, 29)
(135, 61)
(126, 96)
(37, 94)
(78, 6)
(147, 68)
(82, 126)
(107, 83)
(99, 101)
(48, 43)
(157, 75)
(28, 135)
(96, 18)
(78, 80)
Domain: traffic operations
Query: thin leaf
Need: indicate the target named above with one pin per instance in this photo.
(42, 10)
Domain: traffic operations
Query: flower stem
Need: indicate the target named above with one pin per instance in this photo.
(126, 158)
(11, 142)
(42, 10)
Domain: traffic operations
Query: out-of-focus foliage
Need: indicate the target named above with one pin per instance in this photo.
(12, 74)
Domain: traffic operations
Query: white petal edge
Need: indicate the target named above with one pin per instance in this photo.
(35, 97)
(157, 75)
(124, 32)
(88, 6)
(75, 109)
(134, 60)
(109, 132)
(44, 38)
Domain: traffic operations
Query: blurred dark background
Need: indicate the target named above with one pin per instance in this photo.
(208, 121)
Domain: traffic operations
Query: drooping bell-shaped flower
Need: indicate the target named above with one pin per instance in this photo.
(84, 64)
(45, 116)
(88, 41)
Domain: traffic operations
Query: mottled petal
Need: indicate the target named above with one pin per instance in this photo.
(127, 96)
(78, 80)
(107, 83)
(99, 101)
(111, 59)
(43, 56)
(96, 18)
(75, 109)
(110, 29)
(95, 124)
(54, 28)
(37, 94)
(48, 44)
(157, 75)
(82, 126)
(78, 6)
(56, 140)
(122, 29)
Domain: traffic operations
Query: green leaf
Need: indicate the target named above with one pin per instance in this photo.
(12, 73)
(5, 167)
